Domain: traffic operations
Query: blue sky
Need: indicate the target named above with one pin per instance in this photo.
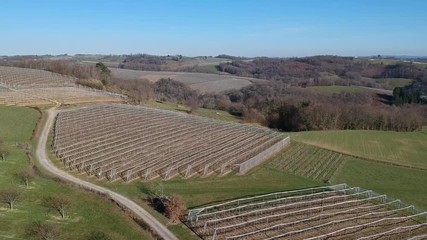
(211, 27)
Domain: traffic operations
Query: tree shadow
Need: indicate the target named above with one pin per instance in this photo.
(385, 98)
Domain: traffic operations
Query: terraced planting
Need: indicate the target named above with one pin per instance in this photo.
(31, 87)
(129, 142)
(334, 212)
(309, 161)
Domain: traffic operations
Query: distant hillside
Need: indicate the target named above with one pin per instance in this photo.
(328, 70)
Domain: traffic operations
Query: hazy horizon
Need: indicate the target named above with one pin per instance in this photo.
(195, 56)
(209, 28)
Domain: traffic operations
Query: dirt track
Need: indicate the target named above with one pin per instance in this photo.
(45, 162)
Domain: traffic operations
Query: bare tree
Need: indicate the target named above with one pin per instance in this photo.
(42, 231)
(193, 104)
(175, 208)
(9, 196)
(26, 176)
(59, 203)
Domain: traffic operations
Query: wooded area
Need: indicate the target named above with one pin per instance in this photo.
(280, 102)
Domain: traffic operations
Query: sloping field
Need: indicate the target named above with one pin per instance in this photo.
(203, 82)
(334, 212)
(196, 61)
(329, 166)
(89, 212)
(309, 161)
(331, 90)
(31, 87)
(395, 82)
(18, 78)
(115, 141)
(400, 148)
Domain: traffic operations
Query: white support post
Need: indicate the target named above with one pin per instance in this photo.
(112, 174)
(206, 169)
(147, 174)
(128, 174)
(188, 170)
(168, 171)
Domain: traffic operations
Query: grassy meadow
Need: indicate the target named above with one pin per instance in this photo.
(330, 90)
(199, 191)
(89, 212)
(399, 148)
(394, 163)
(406, 184)
(395, 82)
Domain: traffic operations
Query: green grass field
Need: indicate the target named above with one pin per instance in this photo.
(401, 148)
(89, 212)
(390, 164)
(208, 69)
(17, 124)
(309, 161)
(200, 191)
(395, 82)
(330, 90)
(406, 184)
(385, 61)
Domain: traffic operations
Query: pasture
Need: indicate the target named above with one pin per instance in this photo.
(398, 182)
(330, 90)
(336, 89)
(324, 165)
(394, 82)
(395, 61)
(203, 82)
(399, 148)
(88, 213)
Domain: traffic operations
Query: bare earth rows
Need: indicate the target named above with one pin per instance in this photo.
(130, 142)
(46, 163)
(31, 87)
(334, 212)
(204, 82)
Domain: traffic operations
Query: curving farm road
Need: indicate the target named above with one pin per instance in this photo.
(45, 162)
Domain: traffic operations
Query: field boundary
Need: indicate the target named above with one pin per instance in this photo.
(360, 157)
(263, 156)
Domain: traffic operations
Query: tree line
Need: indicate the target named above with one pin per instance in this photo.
(278, 103)
(279, 106)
